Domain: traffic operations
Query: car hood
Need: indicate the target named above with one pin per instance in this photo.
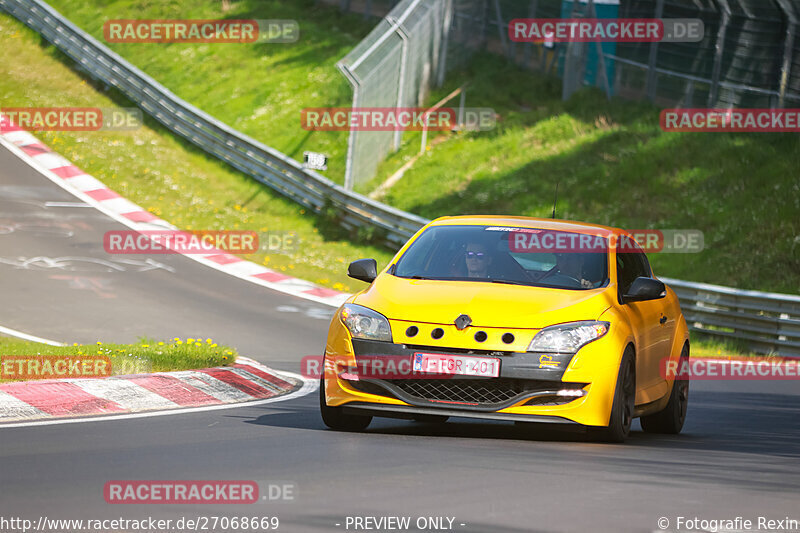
(488, 304)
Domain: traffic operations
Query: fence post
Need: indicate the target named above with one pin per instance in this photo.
(688, 98)
(461, 101)
(526, 52)
(402, 77)
(351, 140)
(502, 29)
(786, 66)
(601, 58)
(651, 72)
(447, 21)
(720, 48)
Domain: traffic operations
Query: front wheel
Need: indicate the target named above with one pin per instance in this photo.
(670, 420)
(335, 418)
(619, 424)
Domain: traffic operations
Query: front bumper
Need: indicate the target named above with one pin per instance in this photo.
(527, 388)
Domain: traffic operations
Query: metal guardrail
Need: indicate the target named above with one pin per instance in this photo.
(268, 166)
(768, 322)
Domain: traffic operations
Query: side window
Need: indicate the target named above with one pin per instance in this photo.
(629, 267)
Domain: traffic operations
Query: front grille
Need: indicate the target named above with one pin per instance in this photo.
(469, 391)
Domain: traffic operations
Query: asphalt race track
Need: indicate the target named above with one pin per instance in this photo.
(738, 455)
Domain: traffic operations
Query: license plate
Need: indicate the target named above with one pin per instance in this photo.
(462, 365)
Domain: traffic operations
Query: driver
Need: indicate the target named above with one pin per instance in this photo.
(569, 269)
(477, 258)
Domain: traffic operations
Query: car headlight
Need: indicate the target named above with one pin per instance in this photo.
(568, 338)
(364, 323)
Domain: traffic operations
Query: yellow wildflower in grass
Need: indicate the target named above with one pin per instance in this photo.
(189, 341)
(145, 345)
(179, 342)
(208, 341)
(99, 343)
(161, 343)
(214, 345)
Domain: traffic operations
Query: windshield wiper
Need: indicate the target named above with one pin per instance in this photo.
(510, 282)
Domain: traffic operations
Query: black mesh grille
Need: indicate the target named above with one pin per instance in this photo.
(471, 391)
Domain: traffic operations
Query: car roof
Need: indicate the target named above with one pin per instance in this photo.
(525, 222)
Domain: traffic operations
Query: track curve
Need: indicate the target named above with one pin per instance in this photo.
(737, 456)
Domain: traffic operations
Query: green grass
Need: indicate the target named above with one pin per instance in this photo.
(704, 346)
(166, 175)
(612, 162)
(147, 355)
(257, 88)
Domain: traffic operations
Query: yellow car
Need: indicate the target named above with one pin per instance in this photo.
(509, 318)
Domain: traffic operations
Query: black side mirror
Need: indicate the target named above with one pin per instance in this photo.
(363, 269)
(643, 289)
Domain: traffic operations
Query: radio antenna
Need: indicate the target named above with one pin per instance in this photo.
(555, 200)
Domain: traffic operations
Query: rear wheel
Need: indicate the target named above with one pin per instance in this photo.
(670, 420)
(336, 418)
(619, 424)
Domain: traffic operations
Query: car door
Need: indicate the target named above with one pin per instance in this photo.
(645, 319)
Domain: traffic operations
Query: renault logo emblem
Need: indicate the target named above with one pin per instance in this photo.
(462, 322)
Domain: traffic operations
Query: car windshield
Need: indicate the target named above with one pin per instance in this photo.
(512, 255)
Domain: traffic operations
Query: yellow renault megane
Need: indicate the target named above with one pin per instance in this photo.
(509, 318)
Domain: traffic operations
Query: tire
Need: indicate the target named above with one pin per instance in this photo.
(431, 419)
(619, 424)
(336, 419)
(670, 420)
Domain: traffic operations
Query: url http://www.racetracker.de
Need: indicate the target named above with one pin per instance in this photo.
(44, 524)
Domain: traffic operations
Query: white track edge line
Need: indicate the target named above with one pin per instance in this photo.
(28, 337)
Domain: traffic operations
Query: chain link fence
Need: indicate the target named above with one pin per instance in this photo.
(749, 55)
(394, 66)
